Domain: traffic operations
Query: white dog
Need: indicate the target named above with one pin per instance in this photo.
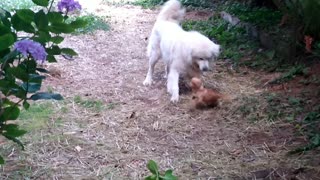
(179, 49)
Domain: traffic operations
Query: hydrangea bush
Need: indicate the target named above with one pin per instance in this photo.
(29, 38)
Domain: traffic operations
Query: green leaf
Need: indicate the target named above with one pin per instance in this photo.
(61, 28)
(41, 20)
(19, 73)
(9, 58)
(12, 130)
(57, 39)
(43, 37)
(42, 70)
(43, 3)
(7, 102)
(51, 58)
(26, 15)
(4, 29)
(4, 86)
(26, 105)
(10, 113)
(168, 175)
(1, 160)
(36, 78)
(5, 18)
(14, 140)
(8, 87)
(316, 140)
(20, 25)
(79, 23)
(31, 87)
(270, 54)
(153, 168)
(3, 54)
(29, 66)
(6, 41)
(44, 95)
(55, 17)
(54, 50)
(152, 177)
(68, 51)
(16, 90)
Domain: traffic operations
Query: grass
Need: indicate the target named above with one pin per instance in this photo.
(240, 46)
(242, 49)
(147, 3)
(283, 108)
(95, 105)
(233, 40)
(16, 4)
(280, 108)
(37, 116)
(292, 73)
(259, 16)
(250, 108)
(188, 3)
(111, 105)
(198, 3)
(309, 126)
(237, 45)
(91, 104)
(94, 23)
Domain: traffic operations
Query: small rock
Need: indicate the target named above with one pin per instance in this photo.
(78, 148)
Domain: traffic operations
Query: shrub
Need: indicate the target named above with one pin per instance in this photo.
(303, 16)
(27, 39)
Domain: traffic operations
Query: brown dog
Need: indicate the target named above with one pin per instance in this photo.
(202, 97)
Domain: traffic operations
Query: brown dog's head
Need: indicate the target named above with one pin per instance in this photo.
(196, 84)
(203, 97)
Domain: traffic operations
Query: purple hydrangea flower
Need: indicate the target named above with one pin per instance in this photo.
(36, 50)
(68, 5)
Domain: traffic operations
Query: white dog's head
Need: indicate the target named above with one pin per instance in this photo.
(203, 50)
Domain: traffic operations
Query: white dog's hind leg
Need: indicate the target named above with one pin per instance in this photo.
(154, 57)
(173, 85)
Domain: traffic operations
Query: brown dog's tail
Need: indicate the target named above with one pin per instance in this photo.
(225, 98)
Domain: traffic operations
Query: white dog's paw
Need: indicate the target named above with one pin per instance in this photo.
(147, 82)
(174, 98)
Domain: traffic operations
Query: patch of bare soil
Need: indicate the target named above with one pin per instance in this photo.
(306, 86)
(139, 123)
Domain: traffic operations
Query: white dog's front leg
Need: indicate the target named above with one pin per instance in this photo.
(173, 85)
(148, 80)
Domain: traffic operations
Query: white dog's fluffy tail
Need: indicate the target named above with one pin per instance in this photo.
(172, 11)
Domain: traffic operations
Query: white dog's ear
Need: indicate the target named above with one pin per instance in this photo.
(216, 50)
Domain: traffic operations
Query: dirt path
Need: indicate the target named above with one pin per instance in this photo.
(139, 123)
